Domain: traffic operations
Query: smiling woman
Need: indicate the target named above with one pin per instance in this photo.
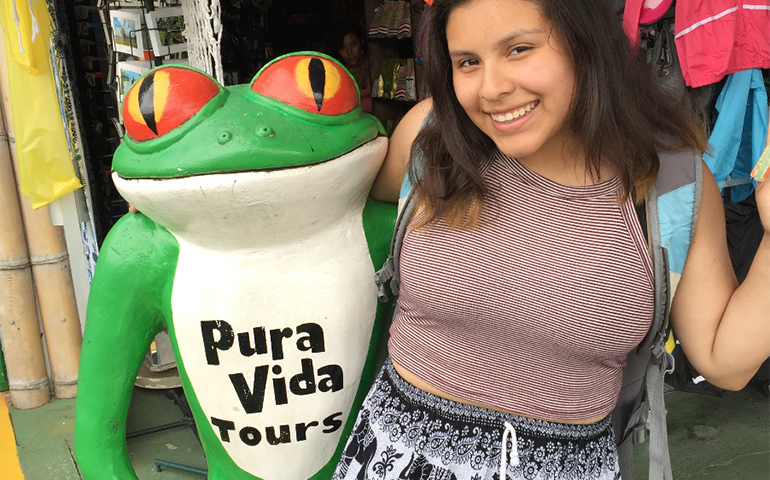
(527, 277)
(515, 81)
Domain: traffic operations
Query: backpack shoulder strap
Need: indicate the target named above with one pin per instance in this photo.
(672, 209)
(406, 205)
(390, 271)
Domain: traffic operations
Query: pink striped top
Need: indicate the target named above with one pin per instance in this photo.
(534, 310)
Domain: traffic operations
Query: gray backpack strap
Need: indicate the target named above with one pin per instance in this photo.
(629, 418)
(661, 362)
(644, 373)
(648, 365)
(389, 270)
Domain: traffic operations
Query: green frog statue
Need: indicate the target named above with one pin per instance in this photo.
(255, 248)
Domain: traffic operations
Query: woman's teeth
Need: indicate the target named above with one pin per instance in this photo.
(513, 115)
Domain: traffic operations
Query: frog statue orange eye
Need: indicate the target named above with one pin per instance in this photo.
(164, 99)
(311, 82)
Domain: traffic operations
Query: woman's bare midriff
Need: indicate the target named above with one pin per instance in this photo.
(422, 385)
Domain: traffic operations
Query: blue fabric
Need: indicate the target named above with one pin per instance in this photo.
(675, 217)
(739, 135)
(406, 187)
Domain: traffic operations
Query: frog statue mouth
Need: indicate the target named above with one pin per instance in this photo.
(229, 210)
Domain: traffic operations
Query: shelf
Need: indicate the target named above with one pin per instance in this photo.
(395, 100)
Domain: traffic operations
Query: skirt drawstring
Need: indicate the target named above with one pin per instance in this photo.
(514, 460)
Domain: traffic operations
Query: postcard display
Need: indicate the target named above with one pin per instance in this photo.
(144, 36)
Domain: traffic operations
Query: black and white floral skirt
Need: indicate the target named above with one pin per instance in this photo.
(404, 433)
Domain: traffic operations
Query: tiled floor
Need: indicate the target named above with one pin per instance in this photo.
(45, 438)
(711, 438)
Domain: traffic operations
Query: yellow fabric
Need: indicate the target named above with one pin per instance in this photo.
(45, 165)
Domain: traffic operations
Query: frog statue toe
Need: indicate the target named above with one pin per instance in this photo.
(255, 248)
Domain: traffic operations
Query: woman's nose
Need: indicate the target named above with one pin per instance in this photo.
(496, 82)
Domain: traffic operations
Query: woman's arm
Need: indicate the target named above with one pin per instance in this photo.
(723, 328)
(387, 185)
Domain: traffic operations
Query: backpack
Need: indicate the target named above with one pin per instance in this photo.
(668, 219)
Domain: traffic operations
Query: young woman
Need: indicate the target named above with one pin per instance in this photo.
(350, 48)
(525, 275)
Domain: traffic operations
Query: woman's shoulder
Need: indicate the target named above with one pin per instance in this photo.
(387, 186)
(407, 129)
(414, 118)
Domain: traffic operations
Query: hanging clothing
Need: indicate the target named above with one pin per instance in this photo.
(739, 134)
(45, 164)
(720, 37)
(641, 11)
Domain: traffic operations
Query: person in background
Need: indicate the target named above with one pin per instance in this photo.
(349, 47)
(525, 276)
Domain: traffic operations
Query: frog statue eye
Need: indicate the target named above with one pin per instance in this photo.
(313, 83)
(164, 99)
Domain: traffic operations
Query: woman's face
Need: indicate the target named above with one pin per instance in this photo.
(512, 76)
(351, 50)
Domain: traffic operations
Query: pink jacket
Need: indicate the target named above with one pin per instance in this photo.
(715, 37)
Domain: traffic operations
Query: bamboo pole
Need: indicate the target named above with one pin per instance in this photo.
(52, 279)
(55, 297)
(19, 328)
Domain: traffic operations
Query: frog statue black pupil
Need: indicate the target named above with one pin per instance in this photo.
(147, 102)
(317, 74)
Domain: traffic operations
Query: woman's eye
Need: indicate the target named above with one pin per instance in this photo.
(468, 63)
(518, 50)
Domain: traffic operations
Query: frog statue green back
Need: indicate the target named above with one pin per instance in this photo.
(255, 248)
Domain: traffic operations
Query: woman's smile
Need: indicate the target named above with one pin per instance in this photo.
(514, 114)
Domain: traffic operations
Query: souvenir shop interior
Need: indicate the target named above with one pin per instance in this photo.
(111, 44)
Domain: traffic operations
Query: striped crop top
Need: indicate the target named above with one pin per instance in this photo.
(534, 310)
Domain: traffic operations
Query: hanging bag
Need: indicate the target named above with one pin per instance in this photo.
(665, 61)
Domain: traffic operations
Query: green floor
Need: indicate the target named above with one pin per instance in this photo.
(45, 438)
(716, 438)
(710, 438)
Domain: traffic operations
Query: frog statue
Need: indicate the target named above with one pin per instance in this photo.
(255, 248)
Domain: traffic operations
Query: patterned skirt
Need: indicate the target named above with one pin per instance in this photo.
(404, 433)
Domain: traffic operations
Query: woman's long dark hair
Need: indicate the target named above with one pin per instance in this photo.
(618, 113)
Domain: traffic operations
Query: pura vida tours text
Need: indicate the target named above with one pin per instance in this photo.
(273, 381)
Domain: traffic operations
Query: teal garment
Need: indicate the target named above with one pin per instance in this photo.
(406, 187)
(677, 224)
(739, 135)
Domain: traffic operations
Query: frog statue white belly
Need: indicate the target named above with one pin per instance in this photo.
(273, 302)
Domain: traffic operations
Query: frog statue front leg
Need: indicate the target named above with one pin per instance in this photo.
(255, 249)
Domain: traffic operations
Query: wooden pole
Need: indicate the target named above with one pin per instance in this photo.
(19, 328)
(55, 297)
(52, 279)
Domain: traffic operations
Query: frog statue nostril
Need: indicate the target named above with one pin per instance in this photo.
(265, 131)
(224, 137)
